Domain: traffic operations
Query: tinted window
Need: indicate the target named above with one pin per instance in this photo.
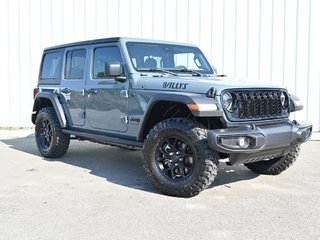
(75, 64)
(101, 57)
(51, 65)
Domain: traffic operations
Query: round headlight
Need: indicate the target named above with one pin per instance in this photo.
(227, 101)
(284, 100)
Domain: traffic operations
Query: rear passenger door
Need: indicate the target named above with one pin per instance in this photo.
(73, 84)
(106, 107)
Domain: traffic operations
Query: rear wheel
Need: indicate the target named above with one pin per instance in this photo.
(177, 158)
(275, 166)
(51, 141)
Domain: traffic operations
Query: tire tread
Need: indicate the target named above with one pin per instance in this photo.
(198, 134)
(61, 141)
(277, 165)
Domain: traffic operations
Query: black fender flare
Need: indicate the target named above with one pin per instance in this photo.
(56, 104)
(186, 99)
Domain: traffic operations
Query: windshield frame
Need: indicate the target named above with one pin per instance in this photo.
(193, 49)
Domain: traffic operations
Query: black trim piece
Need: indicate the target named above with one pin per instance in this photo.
(106, 140)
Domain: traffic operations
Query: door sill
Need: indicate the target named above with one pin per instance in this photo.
(105, 139)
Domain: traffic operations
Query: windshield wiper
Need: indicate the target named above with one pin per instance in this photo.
(194, 73)
(157, 70)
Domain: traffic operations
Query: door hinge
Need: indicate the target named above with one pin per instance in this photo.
(124, 119)
(83, 92)
(124, 94)
(83, 114)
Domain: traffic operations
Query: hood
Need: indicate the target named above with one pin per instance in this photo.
(194, 84)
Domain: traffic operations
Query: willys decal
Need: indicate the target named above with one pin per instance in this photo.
(175, 85)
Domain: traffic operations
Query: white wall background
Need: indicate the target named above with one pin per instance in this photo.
(271, 40)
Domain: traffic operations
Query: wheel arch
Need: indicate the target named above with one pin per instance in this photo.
(44, 99)
(163, 106)
(159, 111)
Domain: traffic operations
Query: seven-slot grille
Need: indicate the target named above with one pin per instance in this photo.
(256, 105)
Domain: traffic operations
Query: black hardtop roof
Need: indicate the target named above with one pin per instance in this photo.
(74, 44)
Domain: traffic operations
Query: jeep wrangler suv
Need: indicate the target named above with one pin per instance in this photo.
(165, 99)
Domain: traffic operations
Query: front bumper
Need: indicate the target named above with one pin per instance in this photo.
(256, 143)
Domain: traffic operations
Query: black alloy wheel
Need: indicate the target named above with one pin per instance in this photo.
(51, 141)
(175, 158)
(45, 134)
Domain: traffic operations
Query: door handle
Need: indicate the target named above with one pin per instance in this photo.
(65, 90)
(92, 91)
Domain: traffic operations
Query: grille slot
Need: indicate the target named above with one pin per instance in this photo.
(257, 105)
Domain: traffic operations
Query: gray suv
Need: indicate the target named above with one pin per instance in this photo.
(165, 99)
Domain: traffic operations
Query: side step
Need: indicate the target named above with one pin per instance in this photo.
(106, 140)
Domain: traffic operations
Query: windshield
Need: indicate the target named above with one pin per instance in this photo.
(148, 56)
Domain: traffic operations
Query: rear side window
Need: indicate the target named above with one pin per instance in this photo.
(103, 55)
(51, 65)
(75, 64)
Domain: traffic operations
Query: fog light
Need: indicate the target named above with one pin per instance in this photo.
(236, 142)
(243, 142)
(304, 134)
(229, 142)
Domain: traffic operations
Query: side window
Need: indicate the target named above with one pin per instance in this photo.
(103, 55)
(75, 64)
(51, 65)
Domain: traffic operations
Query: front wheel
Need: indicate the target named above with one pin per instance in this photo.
(177, 158)
(275, 166)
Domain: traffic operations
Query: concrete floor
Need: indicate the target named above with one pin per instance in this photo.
(101, 192)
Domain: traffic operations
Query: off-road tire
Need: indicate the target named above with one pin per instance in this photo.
(50, 139)
(204, 160)
(275, 166)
